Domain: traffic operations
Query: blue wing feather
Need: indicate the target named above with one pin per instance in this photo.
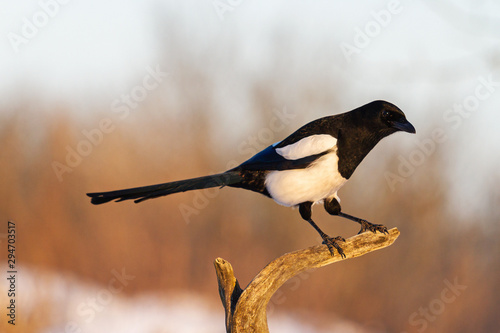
(269, 159)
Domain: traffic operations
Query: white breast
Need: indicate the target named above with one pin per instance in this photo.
(319, 181)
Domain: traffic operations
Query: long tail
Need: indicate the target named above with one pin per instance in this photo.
(155, 191)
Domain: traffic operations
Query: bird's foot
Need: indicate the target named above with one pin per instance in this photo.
(331, 242)
(365, 225)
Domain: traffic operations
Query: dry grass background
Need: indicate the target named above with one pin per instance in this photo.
(60, 230)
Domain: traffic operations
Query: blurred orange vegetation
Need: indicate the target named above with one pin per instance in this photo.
(59, 230)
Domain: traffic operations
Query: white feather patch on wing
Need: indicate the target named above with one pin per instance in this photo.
(308, 146)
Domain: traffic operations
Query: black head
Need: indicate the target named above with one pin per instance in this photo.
(384, 118)
(394, 118)
(363, 128)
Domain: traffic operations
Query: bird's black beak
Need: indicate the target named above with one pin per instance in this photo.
(404, 126)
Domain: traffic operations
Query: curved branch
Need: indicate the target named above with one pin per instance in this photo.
(246, 309)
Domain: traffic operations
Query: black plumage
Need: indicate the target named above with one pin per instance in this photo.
(307, 167)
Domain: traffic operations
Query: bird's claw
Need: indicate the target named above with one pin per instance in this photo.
(365, 225)
(331, 242)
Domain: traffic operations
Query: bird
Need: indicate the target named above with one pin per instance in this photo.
(308, 167)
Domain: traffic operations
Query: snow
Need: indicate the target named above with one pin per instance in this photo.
(68, 304)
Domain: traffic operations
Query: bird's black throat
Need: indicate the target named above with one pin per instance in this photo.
(353, 145)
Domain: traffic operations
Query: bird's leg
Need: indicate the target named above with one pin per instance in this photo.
(365, 225)
(305, 210)
(332, 206)
(331, 242)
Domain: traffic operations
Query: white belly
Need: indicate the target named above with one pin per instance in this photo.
(319, 181)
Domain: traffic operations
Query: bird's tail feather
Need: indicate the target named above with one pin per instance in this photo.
(154, 191)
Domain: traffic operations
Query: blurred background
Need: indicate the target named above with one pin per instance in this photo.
(100, 96)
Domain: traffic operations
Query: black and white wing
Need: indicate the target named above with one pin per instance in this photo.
(298, 155)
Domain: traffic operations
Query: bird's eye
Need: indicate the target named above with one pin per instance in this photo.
(386, 114)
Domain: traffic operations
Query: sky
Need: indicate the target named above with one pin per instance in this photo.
(82, 47)
(424, 55)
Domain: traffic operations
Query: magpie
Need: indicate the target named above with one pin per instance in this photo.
(306, 168)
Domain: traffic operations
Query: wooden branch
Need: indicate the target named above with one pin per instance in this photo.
(246, 309)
